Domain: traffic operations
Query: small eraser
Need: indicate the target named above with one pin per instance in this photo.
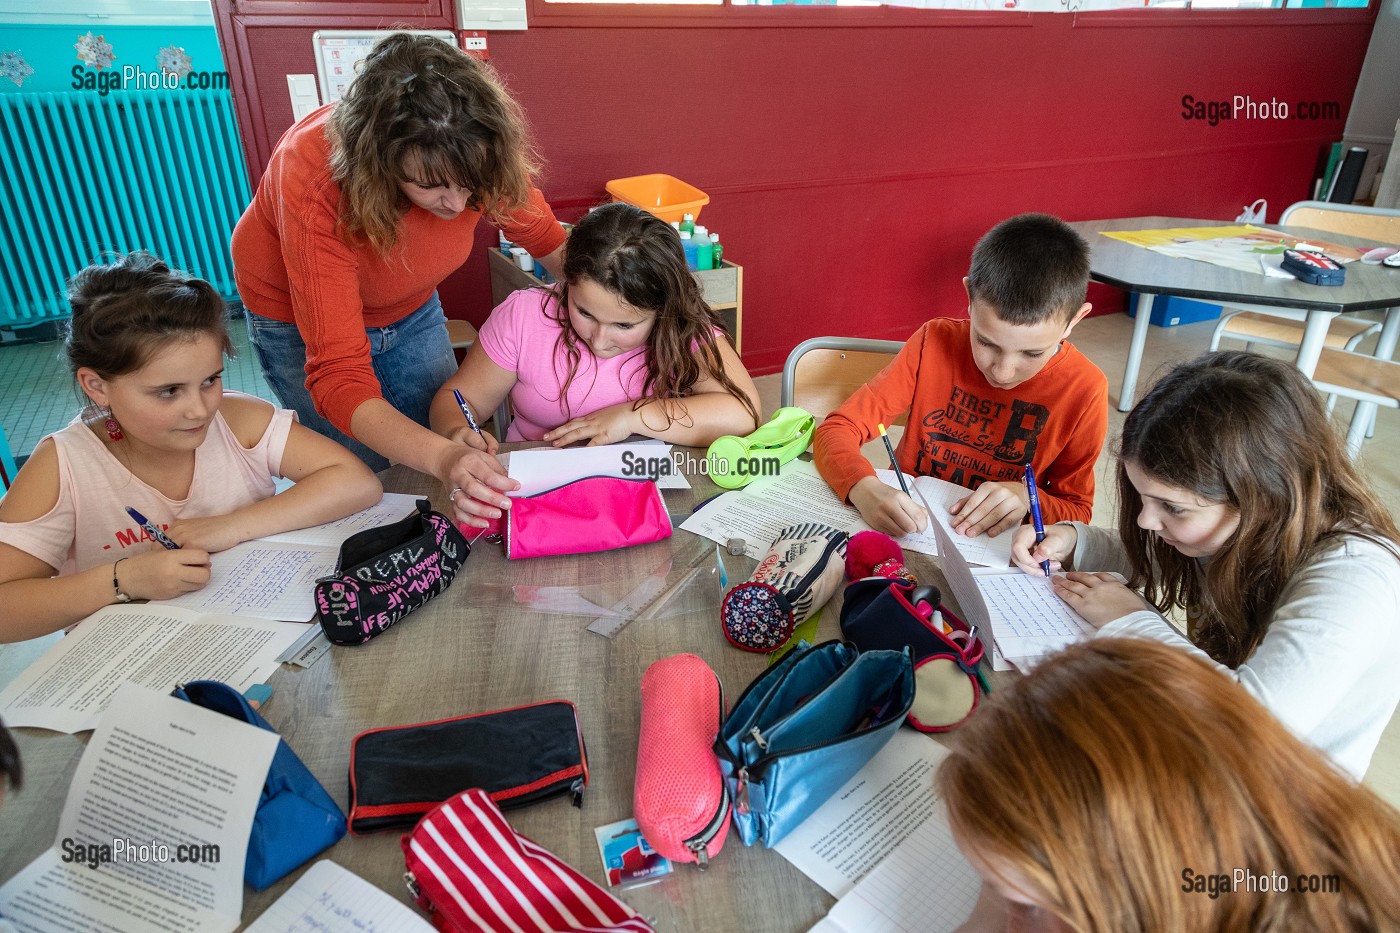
(735, 546)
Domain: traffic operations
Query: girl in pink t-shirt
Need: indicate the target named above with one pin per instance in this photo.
(146, 345)
(625, 345)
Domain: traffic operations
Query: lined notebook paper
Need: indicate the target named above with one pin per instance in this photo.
(331, 899)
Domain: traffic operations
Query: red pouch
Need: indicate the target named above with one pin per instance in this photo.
(597, 513)
(679, 799)
(472, 873)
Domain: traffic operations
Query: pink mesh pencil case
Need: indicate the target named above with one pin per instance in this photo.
(679, 799)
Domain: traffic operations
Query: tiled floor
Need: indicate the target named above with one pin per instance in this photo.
(37, 394)
(37, 397)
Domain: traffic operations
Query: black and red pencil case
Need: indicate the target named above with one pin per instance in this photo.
(518, 756)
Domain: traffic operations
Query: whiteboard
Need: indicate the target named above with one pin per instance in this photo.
(339, 53)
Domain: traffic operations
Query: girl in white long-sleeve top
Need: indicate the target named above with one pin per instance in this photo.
(1239, 505)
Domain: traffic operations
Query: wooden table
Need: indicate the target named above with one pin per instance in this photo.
(1135, 269)
(475, 649)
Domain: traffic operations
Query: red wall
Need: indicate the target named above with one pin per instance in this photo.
(851, 170)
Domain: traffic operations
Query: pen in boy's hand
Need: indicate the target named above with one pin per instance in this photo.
(156, 534)
(889, 449)
(1036, 519)
(462, 404)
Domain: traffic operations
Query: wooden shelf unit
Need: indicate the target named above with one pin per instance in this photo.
(723, 289)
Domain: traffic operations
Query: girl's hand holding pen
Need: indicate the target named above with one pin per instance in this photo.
(164, 574)
(1058, 548)
(480, 440)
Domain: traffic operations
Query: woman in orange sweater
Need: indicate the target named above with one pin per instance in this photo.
(366, 205)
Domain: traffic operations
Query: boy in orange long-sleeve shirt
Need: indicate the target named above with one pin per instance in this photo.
(987, 395)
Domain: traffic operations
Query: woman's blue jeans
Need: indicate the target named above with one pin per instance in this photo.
(412, 358)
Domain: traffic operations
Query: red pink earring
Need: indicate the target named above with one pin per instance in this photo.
(113, 426)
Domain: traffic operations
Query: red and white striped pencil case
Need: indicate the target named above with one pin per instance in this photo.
(472, 873)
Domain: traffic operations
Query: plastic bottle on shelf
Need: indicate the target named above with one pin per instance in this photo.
(719, 250)
(704, 249)
(692, 258)
(688, 223)
(505, 245)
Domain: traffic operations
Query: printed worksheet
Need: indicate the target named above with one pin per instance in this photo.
(766, 506)
(67, 688)
(939, 495)
(883, 846)
(155, 830)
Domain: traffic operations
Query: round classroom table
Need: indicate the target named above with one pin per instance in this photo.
(479, 647)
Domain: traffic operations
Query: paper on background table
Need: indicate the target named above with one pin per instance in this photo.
(544, 468)
(940, 494)
(885, 802)
(158, 770)
(393, 507)
(67, 687)
(263, 579)
(332, 899)
(766, 506)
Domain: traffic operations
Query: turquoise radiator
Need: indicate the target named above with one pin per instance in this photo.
(86, 174)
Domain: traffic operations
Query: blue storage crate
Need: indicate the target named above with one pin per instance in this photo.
(1169, 311)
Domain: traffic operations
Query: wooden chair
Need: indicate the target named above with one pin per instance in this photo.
(1372, 382)
(461, 334)
(1284, 327)
(823, 372)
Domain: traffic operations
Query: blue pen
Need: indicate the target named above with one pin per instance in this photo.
(462, 403)
(156, 534)
(1036, 519)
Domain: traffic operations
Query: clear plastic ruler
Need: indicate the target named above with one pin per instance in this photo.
(649, 596)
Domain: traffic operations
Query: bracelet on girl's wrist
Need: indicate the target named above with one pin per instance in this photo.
(116, 587)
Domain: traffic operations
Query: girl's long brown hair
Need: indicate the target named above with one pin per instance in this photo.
(1251, 432)
(638, 257)
(419, 98)
(1119, 764)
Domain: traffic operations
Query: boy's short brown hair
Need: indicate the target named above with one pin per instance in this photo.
(1030, 268)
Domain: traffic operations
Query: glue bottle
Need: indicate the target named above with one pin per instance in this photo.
(688, 223)
(719, 250)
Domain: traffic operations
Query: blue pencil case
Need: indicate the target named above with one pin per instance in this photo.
(1313, 268)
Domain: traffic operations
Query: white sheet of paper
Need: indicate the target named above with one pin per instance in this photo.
(263, 579)
(924, 886)
(1023, 614)
(884, 803)
(939, 494)
(766, 506)
(544, 468)
(393, 507)
(332, 899)
(159, 772)
(70, 685)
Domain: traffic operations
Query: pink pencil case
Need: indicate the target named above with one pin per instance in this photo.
(596, 513)
(679, 800)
